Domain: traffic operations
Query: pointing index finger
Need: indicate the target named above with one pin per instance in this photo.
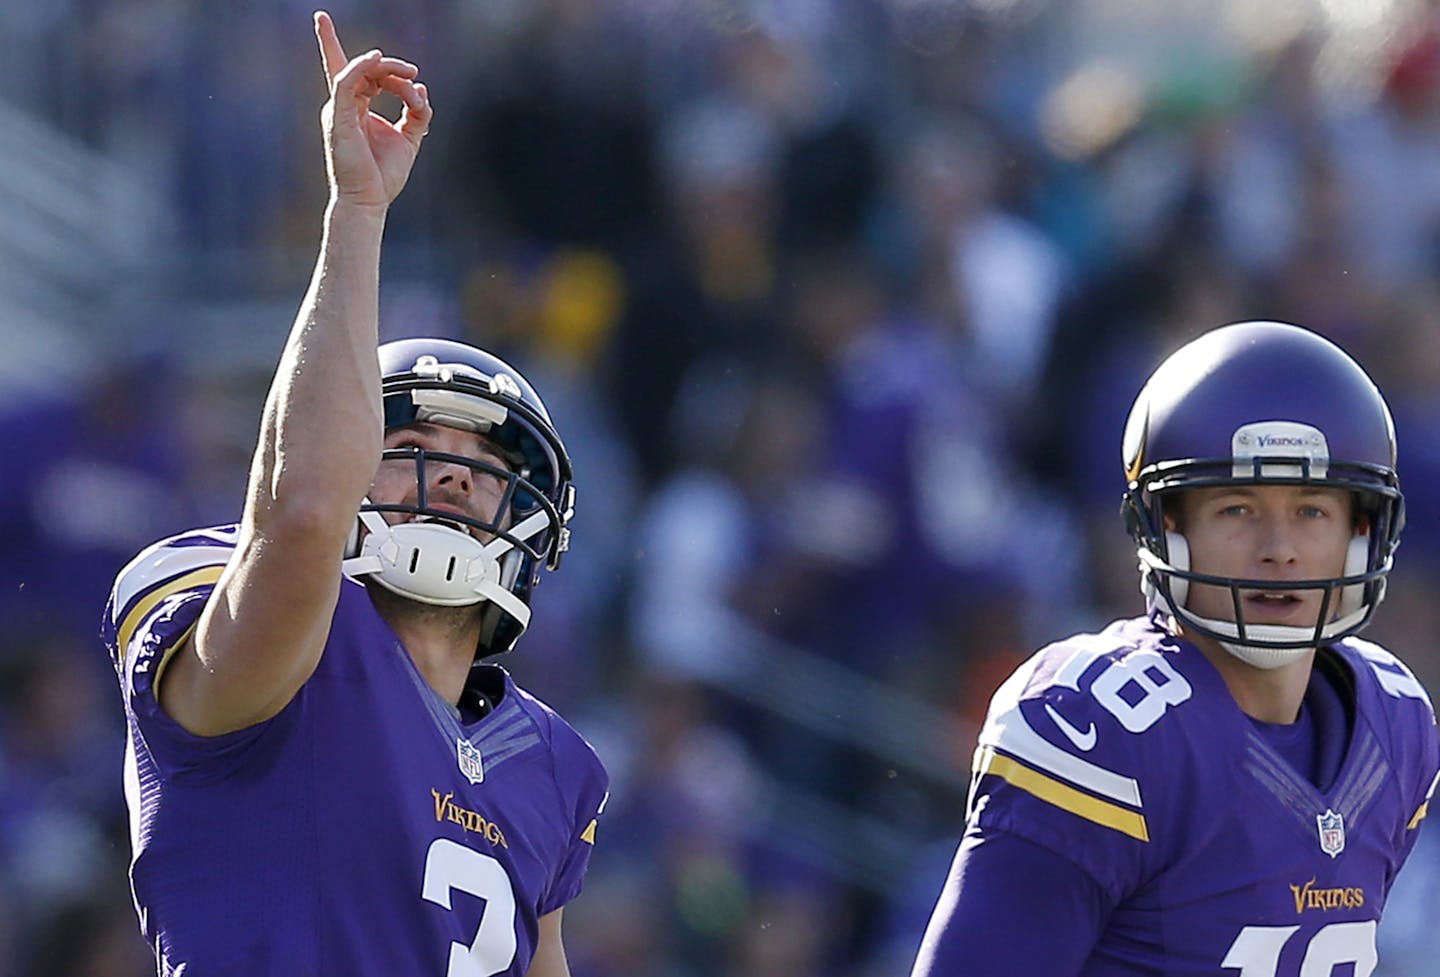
(332, 55)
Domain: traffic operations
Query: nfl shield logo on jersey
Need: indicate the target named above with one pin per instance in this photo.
(1332, 832)
(469, 757)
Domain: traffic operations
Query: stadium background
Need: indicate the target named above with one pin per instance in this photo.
(839, 306)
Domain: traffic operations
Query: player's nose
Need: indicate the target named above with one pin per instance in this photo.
(1276, 543)
(450, 476)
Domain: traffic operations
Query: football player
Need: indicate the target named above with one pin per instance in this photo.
(323, 778)
(1229, 783)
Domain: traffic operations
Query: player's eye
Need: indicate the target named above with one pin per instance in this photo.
(406, 442)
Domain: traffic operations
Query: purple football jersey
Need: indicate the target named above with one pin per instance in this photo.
(367, 829)
(1124, 754)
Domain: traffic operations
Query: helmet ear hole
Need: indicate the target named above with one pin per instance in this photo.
(1177, 554)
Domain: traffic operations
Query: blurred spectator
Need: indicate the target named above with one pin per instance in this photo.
(745, 443)
(62, 827)
(999, 279)
(95, 473)
(684, 800)
(704, 285)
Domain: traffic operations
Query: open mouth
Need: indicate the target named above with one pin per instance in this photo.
(454, 524)
(1273, 598)
(1273, 606)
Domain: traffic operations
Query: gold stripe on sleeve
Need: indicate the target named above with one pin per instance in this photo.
(1063, 796)
(1420, 813)
(175, 646)
(195, 578)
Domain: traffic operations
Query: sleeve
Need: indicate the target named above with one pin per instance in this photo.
(1070, 759)
(985, 923)
(1423, 759)
(1428, 766)
(1407, 711)
(584, 786)
(154, 604)
(153, 608)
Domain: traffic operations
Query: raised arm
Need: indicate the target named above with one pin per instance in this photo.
(261, 635)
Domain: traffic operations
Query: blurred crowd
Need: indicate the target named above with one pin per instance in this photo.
(839, 307)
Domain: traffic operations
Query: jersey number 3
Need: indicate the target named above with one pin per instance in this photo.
(450, 866)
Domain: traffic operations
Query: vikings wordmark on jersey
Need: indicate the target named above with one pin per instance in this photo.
(367, 829)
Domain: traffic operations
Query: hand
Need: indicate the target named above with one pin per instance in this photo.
(368, 157)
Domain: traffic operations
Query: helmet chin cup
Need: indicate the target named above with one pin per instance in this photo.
(434, 564)
(1264, 658)
(431, 563)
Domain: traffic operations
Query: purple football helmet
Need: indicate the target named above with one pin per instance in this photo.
(1263, 403)
(431, 555)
